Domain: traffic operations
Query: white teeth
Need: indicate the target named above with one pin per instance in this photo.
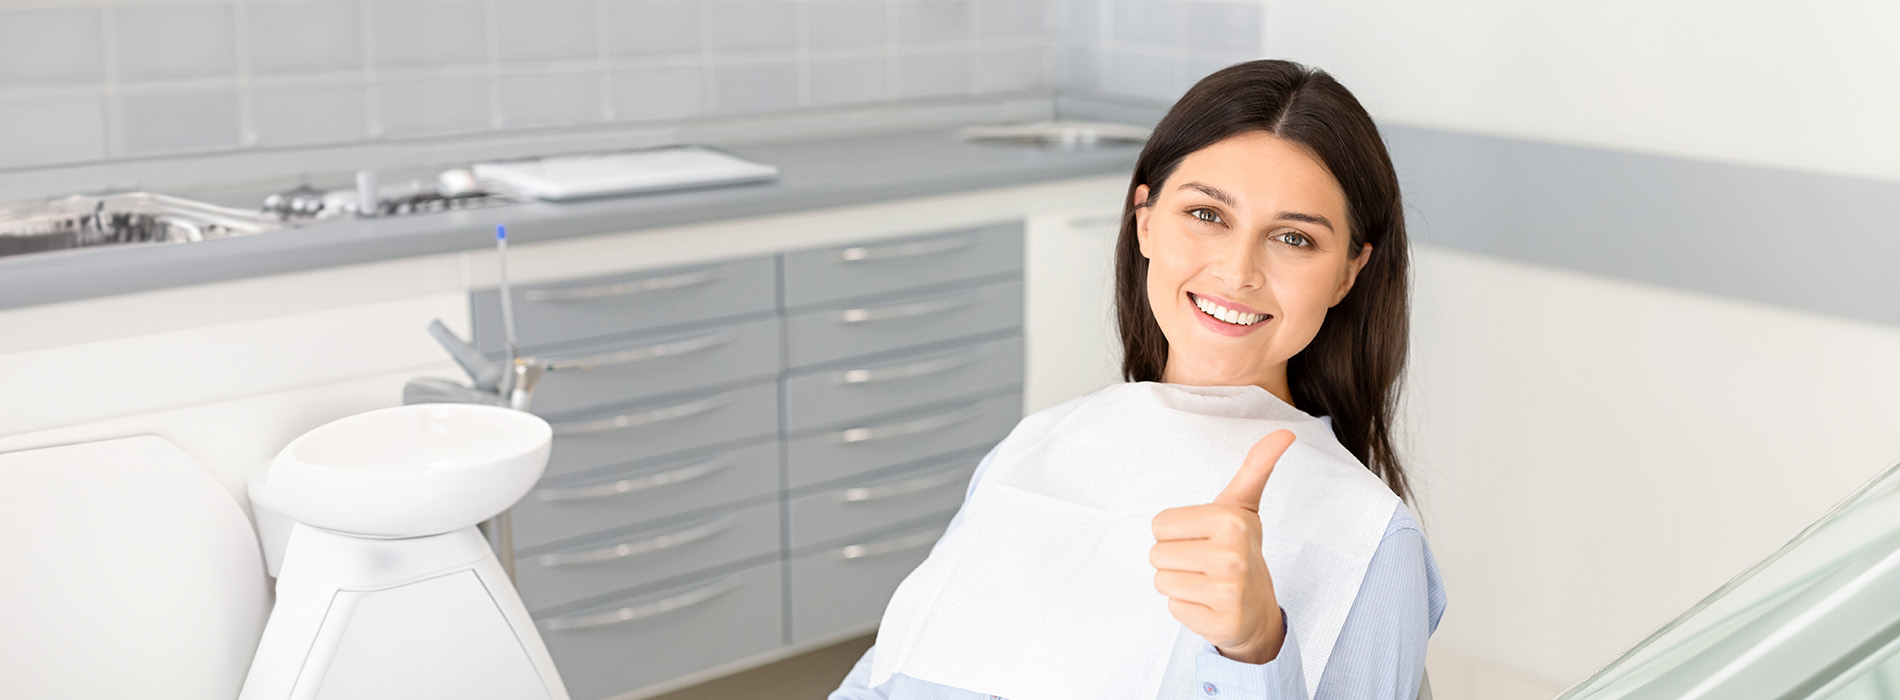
(1226, 314)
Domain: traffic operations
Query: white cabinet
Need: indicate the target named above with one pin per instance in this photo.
(1069, 298)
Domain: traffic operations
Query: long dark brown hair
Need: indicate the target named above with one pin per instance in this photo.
(1351, 369)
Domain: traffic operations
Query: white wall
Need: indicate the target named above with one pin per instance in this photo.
(1800, 85)
(1595, 455)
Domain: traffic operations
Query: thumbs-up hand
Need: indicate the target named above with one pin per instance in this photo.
(1207, 562)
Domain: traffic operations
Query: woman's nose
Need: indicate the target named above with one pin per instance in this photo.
(1238, 263)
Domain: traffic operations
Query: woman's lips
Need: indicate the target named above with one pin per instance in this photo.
(1222, 327)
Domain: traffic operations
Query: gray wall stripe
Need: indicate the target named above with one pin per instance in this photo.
(1825, 243)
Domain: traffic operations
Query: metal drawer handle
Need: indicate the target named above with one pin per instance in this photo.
(643, 610)
(646, 417)
(939, 365)
(639, 483)
(633, 548)
(615, 289)
(910, 310)
(908, 250)
(621, 357)
(911, 427)
(893, 545)
(858, 494)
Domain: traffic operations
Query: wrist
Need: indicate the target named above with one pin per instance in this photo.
(1263, 648)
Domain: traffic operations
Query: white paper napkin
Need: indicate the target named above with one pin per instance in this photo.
(1044, 590)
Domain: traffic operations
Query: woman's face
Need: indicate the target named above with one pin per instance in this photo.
(1247, 249)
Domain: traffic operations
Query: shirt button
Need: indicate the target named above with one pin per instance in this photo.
(1210, 689)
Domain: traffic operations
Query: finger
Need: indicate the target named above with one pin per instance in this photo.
(1198, 556)
(1193, 522)
(1208, 521)
(1244, 490)
(1179, 524)
(1184, 586)
(1194, 616)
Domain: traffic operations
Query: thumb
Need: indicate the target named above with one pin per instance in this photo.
(1244, 490)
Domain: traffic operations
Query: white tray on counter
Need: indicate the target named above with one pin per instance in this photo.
(625, 172)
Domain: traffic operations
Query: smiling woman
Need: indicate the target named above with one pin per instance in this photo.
(1260, 291)
(1266, 193)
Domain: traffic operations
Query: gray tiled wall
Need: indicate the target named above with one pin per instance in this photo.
(1153, 49)
(93, 80)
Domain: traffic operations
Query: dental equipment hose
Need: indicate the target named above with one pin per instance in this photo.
(501, 528)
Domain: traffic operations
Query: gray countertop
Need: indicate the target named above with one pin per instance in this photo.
(1741, 231)
(814, 174)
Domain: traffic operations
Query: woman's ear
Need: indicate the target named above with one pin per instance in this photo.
(1141, 218)
(1353, 267)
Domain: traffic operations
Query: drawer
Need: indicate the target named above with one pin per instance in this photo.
(886, 324)
(861, 390)
(571, 310)
(875, 267)
(660, 426)
(891, 440)
(846, 587)
(596, 374)
(572, 570)
(562, 508)
(657, 635)
(878, 500)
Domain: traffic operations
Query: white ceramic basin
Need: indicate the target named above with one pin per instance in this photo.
(408, 471)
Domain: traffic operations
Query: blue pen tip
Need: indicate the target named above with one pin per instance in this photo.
(501, 232)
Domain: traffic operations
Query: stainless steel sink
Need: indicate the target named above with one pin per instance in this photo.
(1056, 134)
(83, 221)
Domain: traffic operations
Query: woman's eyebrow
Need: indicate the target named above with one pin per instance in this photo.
(1308, 218)
(1215, 192)
(1210, 191)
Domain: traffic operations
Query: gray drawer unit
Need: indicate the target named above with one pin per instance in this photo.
(656, 635)
(549, 314)
(661, 426)
(596, 374)
(891, 440)
(861, 390)
(562, 508)
(846, 587)
(876, 501)
(860, 269)
(573, 570)
(885, 324)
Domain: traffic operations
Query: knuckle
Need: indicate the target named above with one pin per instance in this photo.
(1164, 518)
(1236, 521)
(1231, 563)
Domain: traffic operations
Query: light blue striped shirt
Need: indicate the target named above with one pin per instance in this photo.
(1380, 652)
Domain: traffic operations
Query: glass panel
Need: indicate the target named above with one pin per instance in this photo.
(1881, 683)
(1810, 621)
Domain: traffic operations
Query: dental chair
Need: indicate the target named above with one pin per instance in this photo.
(132, 573)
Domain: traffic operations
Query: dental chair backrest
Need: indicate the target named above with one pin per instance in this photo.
(129, 572)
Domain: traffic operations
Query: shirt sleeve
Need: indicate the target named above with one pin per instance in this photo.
(1380, 653)
(1280, 679)
(857, 683)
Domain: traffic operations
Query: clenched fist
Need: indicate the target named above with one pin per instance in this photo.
(1207, 562)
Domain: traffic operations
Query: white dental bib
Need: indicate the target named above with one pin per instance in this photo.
(1044, 591)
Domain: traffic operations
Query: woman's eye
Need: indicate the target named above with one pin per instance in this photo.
(1296, 239)
(1205, 214)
